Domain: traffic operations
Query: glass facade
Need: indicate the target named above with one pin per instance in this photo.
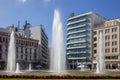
(78, 41)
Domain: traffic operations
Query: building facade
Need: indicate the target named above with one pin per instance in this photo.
(38, 32)
(31, 46)
(26, 49)
(79, 38)
(111, 43)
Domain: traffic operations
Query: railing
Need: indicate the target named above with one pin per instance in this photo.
(83, 25)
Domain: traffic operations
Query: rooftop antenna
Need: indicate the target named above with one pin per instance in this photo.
(26, 22)
(18, 24)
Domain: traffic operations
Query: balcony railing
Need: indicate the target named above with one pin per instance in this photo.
(76, 37)
(76, 52)
(76, 47)
(76, 27)
(76, 58)
(74, 42)
(76, 32)
(76, 22)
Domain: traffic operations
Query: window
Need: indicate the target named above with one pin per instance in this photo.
(107, 50)
(34, 50)
(116, 57)
(111, 57)
(35, 55)
(114, 43)
(17, 49)
(0, 39)
(107, 43)
(0, 48)
(107, 30)
(6, 40)
(95, 51)
(3, 39)
(114, 49)
(21, 56)
(0, 55)
(30, 50)
(95, 39)
(114, 36)
(19, 41)
(95, 32)
(30, 57)
(107, 37)
(95, 45)
(26, 50)
(25, 57)
(114, 29)
(22, 50)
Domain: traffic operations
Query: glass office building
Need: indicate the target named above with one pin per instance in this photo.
(79, 39)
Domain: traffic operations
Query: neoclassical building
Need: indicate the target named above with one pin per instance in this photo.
(28, 49)
(111, 43)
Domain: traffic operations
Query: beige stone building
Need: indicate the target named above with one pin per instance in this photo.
(111, 43)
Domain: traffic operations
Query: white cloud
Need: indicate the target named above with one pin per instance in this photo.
(23, 1)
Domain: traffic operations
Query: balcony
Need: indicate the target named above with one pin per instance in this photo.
(76, 52)
(82, 15)
(76, 58)
(76, 22)
(76, 37)
(76, 27)
(76, 42)
(76, 47)
(76, 32)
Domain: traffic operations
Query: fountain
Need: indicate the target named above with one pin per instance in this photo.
(57, 62)
(17, 68)
(100, 62)
(11, 61)
(82, 67)
(30, 68)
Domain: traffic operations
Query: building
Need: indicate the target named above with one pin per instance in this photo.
(111, 43)
(38, 32)
(26, 49)
(79, 38)
(31, 46)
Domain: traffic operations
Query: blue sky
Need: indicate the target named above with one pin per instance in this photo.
(41, 11)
